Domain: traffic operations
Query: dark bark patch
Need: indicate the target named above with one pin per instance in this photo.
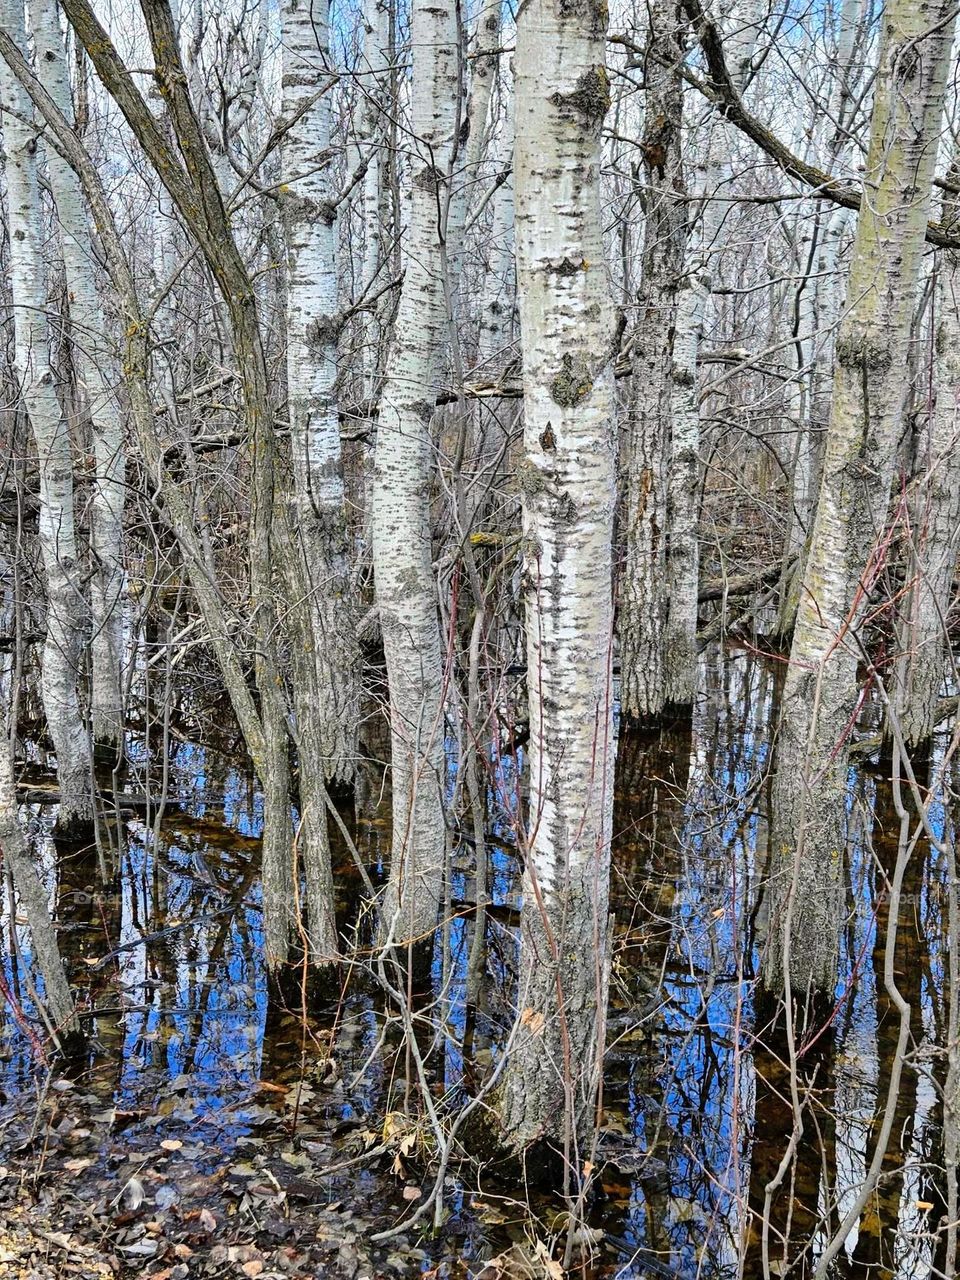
(429, 178)
(573, 383)
(322, 332)
(590, 98)
(530, 479)
(424, 410)
(569, 266)
(861, 350)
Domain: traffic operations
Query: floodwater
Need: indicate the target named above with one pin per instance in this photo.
(205, 1099)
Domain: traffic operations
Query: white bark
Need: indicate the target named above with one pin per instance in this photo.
(935, 509)
(643, 586)
(97, 376)
(33, 898)
(568, 492)
(497, 319)
(402, 553)
(319, 522)
(808, 821)
(57, 530)
(683, 554)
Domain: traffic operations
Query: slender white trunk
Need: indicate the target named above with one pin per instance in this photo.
(568, 489)
(97, 374)
(683, 555)
(402, 552)
(497, 319)
(319, 521)
(818, 311)
(807, 841)
(486, 52)
(495, 417)
(66, 611)
(33, 898)
(935, 509)
(643, 584)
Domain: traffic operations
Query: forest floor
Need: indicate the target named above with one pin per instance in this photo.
(91, 1192)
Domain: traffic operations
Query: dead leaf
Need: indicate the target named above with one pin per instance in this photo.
(252, 1268)
(144, 1248)
(133, 1193)
(59, 1238)
(412, 1193)
(75, 1166)
(207, 1221)
(552, 1268)
(171, 1144)
(533, 1021)
(925, 1204)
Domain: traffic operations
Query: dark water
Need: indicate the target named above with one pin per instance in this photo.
(696, 1101)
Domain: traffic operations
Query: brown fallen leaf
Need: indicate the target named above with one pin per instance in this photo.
(533, 1021)
(171, 1144)
(252, 1268)
(207, 1221)
(412, 1193)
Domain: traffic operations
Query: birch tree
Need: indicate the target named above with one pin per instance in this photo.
(808, 821)
(402, 552)
(33, 897)
(922, 636)
(683, 562)
(66, 611)
(310, 222)
(568, 490)
(643, 586)
(91, 344)
(193, 188)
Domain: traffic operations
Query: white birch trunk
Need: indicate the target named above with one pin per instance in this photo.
(807, 842)
(643, 585)
(931, 568)
(57, 530)
(97, 376)
(683, 554)
(319, 522)
(497, 318)
(568, 490)
(34, 901)
(33, 898)
(402, 552)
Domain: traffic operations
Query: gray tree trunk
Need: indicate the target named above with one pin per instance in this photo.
(642, 603)
(922, 639)
(683, 557)
(808, 821)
